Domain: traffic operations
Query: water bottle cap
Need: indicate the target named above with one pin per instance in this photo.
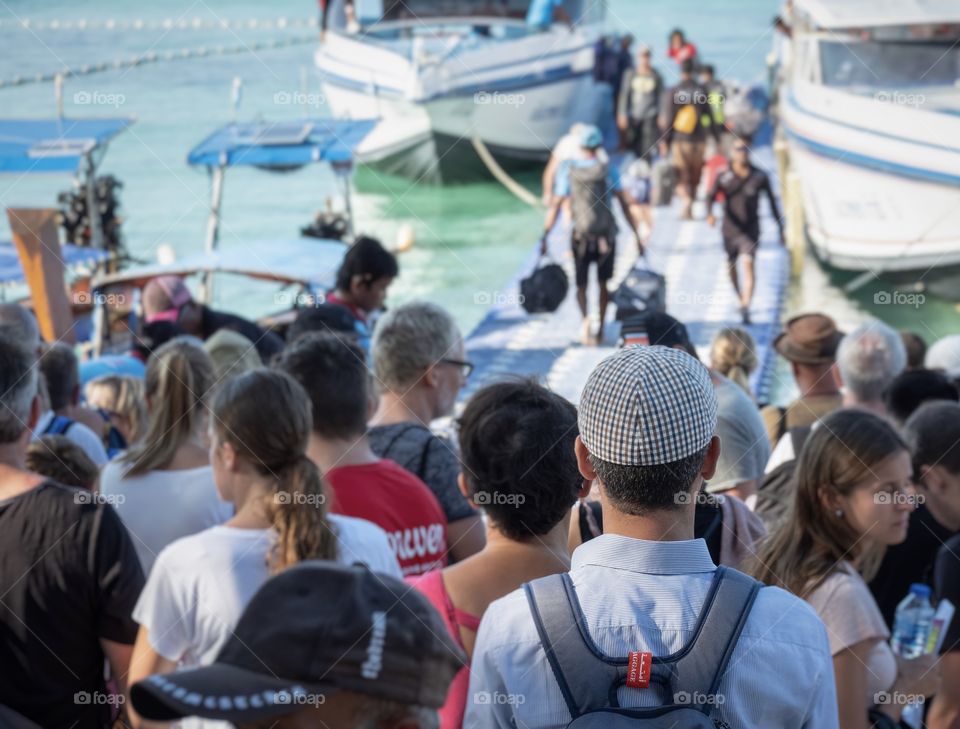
(920, 590)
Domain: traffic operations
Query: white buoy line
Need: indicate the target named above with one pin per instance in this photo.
(124, 24)
(155, 57)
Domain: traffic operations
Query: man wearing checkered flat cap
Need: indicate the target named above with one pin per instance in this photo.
(644, 588)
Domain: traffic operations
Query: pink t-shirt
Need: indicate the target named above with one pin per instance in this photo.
(431, 585)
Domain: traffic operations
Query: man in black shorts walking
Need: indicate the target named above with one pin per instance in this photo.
(741, 186)
(587, 183)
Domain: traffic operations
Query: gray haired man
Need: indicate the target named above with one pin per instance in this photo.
(420, 365)
(869, 359)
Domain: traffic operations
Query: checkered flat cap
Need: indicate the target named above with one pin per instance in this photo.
(646, 406)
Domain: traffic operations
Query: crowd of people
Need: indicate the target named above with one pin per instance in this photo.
(277, 538)
(662, 135)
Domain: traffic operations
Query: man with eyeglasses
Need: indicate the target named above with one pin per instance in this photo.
(420, 366)
(741, 186)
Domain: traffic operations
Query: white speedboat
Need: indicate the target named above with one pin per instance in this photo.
(440, 74)
(870, 107)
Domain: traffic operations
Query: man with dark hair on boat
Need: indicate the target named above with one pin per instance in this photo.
(167, 298)
(364, 276)
(588, 184)
(742, 185)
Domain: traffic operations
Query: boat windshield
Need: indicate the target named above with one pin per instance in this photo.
(889, 64)
(387, 11)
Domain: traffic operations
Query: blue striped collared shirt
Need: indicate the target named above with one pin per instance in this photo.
(639, 595)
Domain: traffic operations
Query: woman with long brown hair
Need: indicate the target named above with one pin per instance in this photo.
(162, 487)
(853, 499)
(259, 431)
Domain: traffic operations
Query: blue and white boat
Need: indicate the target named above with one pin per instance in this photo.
(440, 74)
(870, 106)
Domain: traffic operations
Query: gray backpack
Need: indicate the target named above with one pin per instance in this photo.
(688, 678)
(590, 201)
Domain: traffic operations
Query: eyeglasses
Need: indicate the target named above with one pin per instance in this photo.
(741, 149)
(466, 368)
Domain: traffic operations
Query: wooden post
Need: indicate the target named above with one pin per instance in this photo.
(796, 222)
(38, 244)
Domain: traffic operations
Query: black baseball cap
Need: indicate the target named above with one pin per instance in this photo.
(660, 329)
(316, 628)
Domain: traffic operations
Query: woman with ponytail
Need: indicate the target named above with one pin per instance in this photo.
(734, 355)
(162, 487)
(259, 430)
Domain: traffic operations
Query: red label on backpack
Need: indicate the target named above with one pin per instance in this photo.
(638, 669)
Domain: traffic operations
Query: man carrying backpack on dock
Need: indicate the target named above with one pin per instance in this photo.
(683, 111)
(645, 625)
(588, 183)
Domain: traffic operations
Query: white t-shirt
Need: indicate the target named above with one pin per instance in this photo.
(201, 584)
(79, 434)
(160, 507)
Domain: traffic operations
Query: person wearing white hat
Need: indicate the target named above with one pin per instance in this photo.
(944, 354)
(644, 588)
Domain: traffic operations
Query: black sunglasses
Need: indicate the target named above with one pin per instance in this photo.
(466, 368)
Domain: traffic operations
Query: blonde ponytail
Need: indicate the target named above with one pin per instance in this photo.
(298, 511)
(179, 377)
(733, 354)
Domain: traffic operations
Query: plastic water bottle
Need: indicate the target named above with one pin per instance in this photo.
(912, 622)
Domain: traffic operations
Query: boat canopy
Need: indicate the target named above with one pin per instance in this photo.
(54, 145)
(282, 145)
(311, 264)
(73, 257)
(841, 14)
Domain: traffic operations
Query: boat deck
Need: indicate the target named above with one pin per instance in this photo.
(510, 342)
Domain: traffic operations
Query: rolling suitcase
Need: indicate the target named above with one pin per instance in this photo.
(642, 290)
(664, 181)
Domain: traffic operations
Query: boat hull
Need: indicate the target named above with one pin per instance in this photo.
(427, 129)
(878, 194)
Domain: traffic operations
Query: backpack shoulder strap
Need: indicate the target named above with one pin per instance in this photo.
(560, 625)
(703, 661)
(59, 425)
(798, 436)
(385, 453)
(781, 423)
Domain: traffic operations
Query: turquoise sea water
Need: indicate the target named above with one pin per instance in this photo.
(470, 239)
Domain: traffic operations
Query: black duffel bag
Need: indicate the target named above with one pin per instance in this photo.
(545, 289)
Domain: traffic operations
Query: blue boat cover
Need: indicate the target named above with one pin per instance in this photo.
(282, 144)
(53, 145)
(12, 273)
